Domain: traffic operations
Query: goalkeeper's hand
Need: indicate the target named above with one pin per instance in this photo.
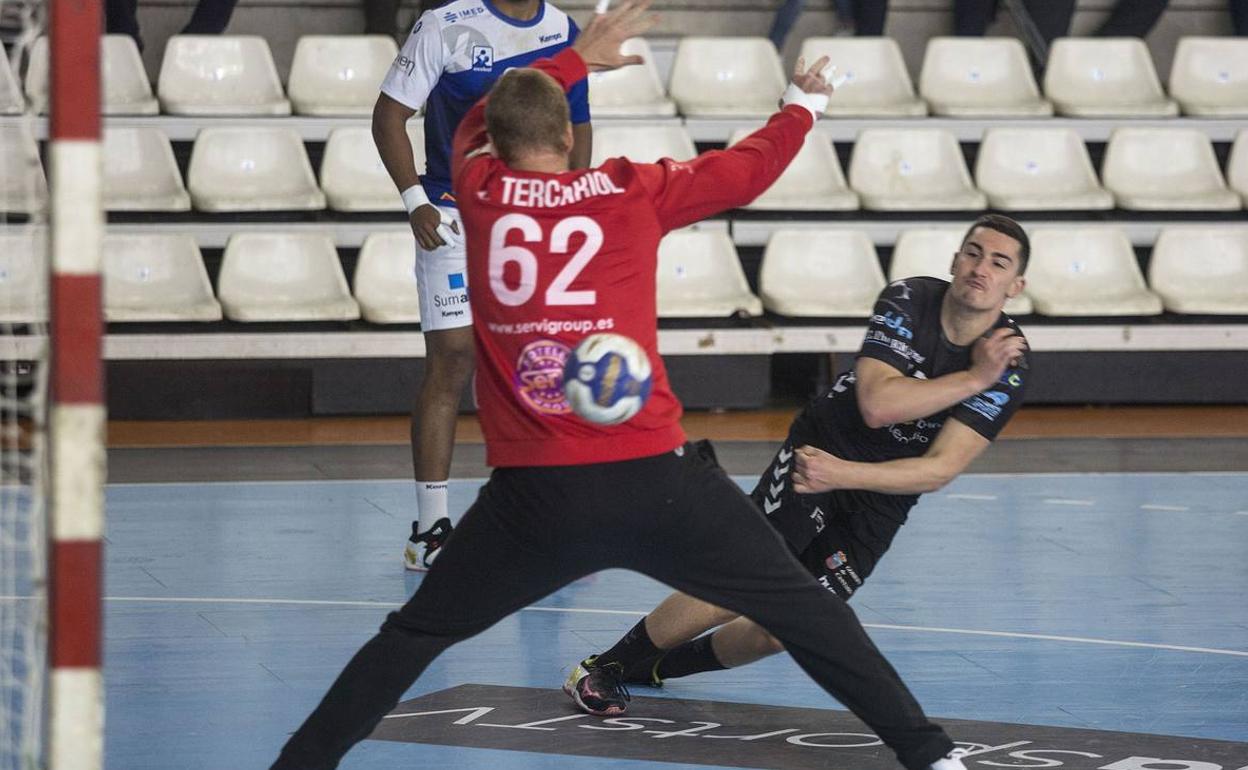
(812, 87)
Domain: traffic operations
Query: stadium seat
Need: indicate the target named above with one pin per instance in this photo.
(126, 89)
(980, 77)
(251, 169)
(284, 277)
(877, 83)
(812, 182)
(1209, 76)
(918, 169)
(1201, 270)
(353, 176)
(1188, 180)
(23, 187)
(630, 92)
(140, 172)
(1087, 271)
(220, 75)
(385, 279)
(930, 252)
(642, 144)
(156, 278)
(339, 74)
(1105, 77)
(700, 276)
(726, 76)
(1237, 166)
(820, 273)
(11, 101)
(1029, 169)
(23, 278)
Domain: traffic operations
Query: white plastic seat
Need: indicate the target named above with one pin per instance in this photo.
(140, 172)
(11, 102)
(718, 76)
(251, 169)
(917, 169)
(23, 277)
(220, 75)
(1153, 169)
(1105, 77)
(812, 182)
(1087, 271)
(642, 144)
(820, 273)
(1209, 76)
(980, 77)
(156, 278)
(339, 74)
(284, 277)
(23, 187)
(877, 84)
(353, 176)
(124, 84)
(385, 279)
(930, 252)
(1237, 166)
(1201, 270)
(630, 92)
(700, 276)
(1029, 169)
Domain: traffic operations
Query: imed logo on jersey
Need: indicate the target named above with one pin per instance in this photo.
(482, 58)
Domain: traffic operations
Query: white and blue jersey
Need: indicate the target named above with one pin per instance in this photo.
(451, 59)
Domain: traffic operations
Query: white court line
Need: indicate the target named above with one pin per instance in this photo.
(633, 613)
(1066, 501)
(1155, 507)
(957, 496)
(483, 479)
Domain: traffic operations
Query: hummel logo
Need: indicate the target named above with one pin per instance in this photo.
(785, 454)
(780, 471)
(775, 490)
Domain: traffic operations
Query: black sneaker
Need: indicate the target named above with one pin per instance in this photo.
(598, 690)
(423, 547)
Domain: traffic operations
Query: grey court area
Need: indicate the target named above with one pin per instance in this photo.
(738, 457)
(675, 730)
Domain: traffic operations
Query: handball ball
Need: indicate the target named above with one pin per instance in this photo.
(607, 378)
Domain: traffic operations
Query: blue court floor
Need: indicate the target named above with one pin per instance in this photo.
(1110, 602)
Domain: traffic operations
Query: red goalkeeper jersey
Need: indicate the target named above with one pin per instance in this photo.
(553, 258)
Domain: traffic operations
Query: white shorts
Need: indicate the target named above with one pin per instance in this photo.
(442, 276)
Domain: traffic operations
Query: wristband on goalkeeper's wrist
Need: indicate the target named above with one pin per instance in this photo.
(413, 198)
(813, 103)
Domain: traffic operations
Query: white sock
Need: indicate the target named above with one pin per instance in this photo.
(430, 503)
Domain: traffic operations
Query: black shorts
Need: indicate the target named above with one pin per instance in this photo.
(834, 535)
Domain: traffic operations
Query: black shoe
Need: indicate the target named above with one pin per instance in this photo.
(598, 690)
(423, 547)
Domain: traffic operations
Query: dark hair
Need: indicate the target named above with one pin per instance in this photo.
(527, 110)
(1008, 227)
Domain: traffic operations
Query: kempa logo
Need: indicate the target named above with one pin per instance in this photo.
(782, 738)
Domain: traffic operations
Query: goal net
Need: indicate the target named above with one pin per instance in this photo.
(51, 410)
(23, 401)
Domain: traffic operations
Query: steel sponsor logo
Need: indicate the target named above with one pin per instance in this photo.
(538, 380)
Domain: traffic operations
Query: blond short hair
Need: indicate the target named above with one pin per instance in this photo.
(527, 111)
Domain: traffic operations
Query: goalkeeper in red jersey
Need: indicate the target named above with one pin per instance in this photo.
(554, 255)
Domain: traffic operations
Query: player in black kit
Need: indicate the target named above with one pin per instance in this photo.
(940, 372)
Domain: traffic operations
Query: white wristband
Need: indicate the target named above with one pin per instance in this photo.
(814, 103)
(414, 197)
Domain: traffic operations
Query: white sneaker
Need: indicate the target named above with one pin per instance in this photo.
(951, 761)
(423, 547)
